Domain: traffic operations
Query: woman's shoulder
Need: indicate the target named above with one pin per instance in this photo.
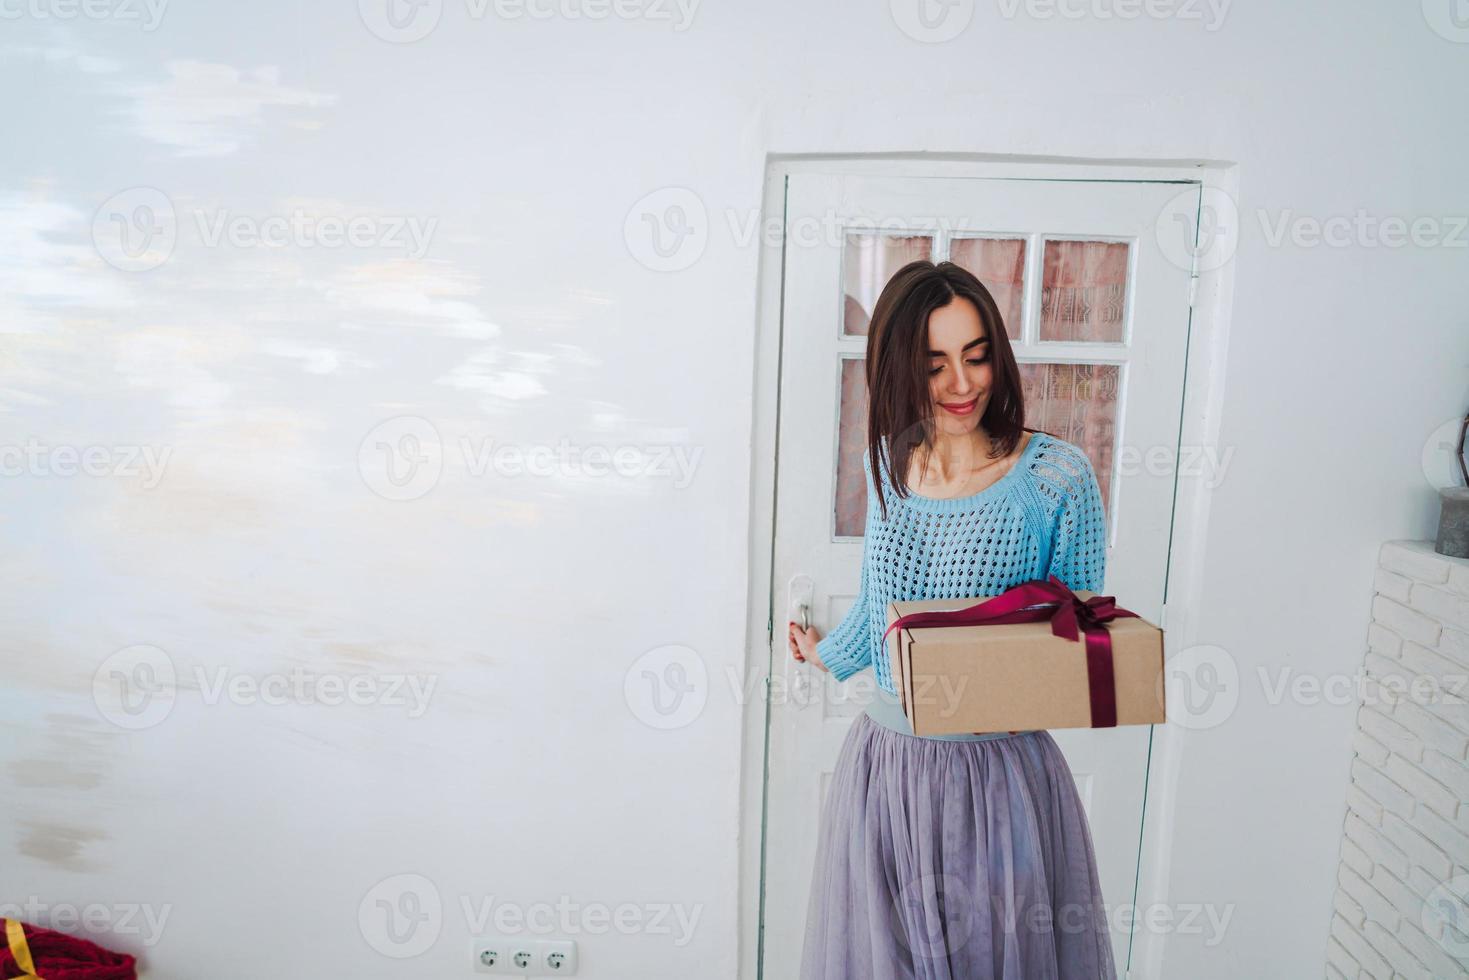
(1059, 449)
(1060, 465)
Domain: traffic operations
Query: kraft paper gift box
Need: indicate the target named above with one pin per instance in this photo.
(1017, 676)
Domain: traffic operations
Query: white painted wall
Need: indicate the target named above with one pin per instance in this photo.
(259, 829)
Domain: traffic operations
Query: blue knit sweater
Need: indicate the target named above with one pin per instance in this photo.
(1043, 517)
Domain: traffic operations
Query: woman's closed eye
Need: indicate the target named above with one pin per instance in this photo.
(972, 360)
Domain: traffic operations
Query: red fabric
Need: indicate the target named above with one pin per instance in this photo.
(61, 957)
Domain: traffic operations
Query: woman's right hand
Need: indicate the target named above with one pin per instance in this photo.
(802, 643)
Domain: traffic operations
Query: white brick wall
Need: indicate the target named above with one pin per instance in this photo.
(1404, 875)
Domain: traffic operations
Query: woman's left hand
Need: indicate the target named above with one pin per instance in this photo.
(802, 643)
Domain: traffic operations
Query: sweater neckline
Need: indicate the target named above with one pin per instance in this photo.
(948, 505)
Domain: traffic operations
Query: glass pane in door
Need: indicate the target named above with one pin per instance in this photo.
(869, 260)
(999, 263)
(1078, 403)
(851, 486)
(1083, 291)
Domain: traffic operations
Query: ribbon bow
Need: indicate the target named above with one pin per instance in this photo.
(1071, 618)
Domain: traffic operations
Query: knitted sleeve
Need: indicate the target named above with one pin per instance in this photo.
(1080, 555)
(848, 647)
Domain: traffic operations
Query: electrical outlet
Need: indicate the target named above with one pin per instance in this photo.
(518, 956)
(558, 957)
(488, 956)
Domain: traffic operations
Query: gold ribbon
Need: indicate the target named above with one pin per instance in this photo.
(20, 949)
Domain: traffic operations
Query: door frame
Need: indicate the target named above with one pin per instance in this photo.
(1203, 399)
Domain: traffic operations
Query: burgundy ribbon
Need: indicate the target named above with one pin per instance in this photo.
(1071, 617)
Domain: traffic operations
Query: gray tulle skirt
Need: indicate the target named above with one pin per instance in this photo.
(953, 859)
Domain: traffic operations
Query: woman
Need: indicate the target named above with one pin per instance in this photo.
(962, 857)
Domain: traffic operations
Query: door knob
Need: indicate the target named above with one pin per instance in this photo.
(800, 672)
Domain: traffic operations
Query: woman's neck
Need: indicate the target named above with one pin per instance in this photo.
(957, 456)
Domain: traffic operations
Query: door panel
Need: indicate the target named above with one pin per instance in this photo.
(1098, 317)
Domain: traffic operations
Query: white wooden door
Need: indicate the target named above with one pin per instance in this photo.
(1098, 314)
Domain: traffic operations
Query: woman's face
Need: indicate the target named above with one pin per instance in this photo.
(959, 367)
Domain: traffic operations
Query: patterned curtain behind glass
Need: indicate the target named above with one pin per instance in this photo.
(999, 263)
(1083, 291)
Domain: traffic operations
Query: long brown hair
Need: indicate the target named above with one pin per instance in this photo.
(899, 407)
